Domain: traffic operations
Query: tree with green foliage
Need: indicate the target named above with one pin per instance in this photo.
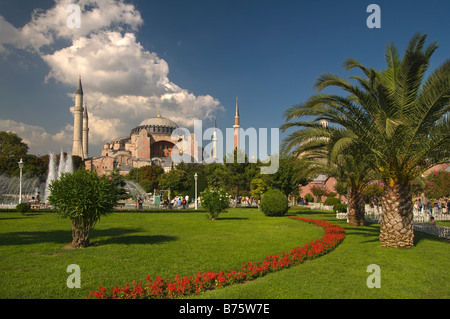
(147, 176)
(216, 175)
(437, 185)
(119, 181)
(11, 145)
(289, 175)
(12, 149)
(202, 179)
(258, 187)
(236, 176)
(83, 197)
(175, 180)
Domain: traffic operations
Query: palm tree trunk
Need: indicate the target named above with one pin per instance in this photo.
(396, 229)
(356, 208)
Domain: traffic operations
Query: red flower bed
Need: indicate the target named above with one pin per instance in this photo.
(199, 282)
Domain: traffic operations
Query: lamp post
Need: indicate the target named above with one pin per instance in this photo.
(195, 199)
(20, 181)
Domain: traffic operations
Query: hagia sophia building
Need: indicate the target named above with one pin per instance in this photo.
(149, 143)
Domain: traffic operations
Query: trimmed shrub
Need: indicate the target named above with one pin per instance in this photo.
(274, 203)
(332, 201)
(23, 208)
(309, 197)
(215, 201)
(340, 208)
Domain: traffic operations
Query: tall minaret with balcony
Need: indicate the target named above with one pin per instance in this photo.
(77, 148)
(236, 126)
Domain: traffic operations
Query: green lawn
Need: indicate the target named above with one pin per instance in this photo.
(129, 246)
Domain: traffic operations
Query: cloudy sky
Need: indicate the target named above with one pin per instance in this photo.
(187, 58)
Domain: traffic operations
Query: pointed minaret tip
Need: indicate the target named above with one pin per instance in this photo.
(237, 107)
(80, 87)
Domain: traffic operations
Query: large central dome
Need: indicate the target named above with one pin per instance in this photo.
(156, 125)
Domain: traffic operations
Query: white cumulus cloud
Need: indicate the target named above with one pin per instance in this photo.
(123, 82)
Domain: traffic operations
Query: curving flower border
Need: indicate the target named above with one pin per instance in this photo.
(161, 288)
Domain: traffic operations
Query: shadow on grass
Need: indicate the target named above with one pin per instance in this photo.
(19, 216)
(113, 236)
(373, 230)
(231, 218)
(134, 239)
(367, 231)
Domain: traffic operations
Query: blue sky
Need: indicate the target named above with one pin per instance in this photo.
(268, 53)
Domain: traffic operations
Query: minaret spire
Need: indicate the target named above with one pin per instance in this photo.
(80, 87)
(85, 132)
(77, 148)
(214, 139)
(236, 126)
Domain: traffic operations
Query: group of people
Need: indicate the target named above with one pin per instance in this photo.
(179, 201)
(245, 200)
(435, 207)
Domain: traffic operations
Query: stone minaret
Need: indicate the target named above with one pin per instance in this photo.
(236, 126)
(77, 148)
(214, 139)
(85, 133)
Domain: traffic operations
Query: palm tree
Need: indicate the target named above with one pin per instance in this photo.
(357, 175)
(316, 145)
(398, 116)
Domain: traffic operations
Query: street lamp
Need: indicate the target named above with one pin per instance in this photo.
(20, 181)
(195, 199)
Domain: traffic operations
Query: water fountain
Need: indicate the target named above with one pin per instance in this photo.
(65, 166)
(62, 165)
(33, 186)
(136, 190)
(69, 164)
(51, 175)
(9, 189)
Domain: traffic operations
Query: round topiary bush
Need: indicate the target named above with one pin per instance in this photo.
(23, 208)
(274, 203)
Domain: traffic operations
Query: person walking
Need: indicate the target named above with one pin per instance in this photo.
(429, 207)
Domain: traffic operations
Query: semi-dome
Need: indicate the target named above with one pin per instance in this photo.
(156, 125)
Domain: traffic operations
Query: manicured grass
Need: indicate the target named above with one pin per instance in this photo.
(129, 246)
